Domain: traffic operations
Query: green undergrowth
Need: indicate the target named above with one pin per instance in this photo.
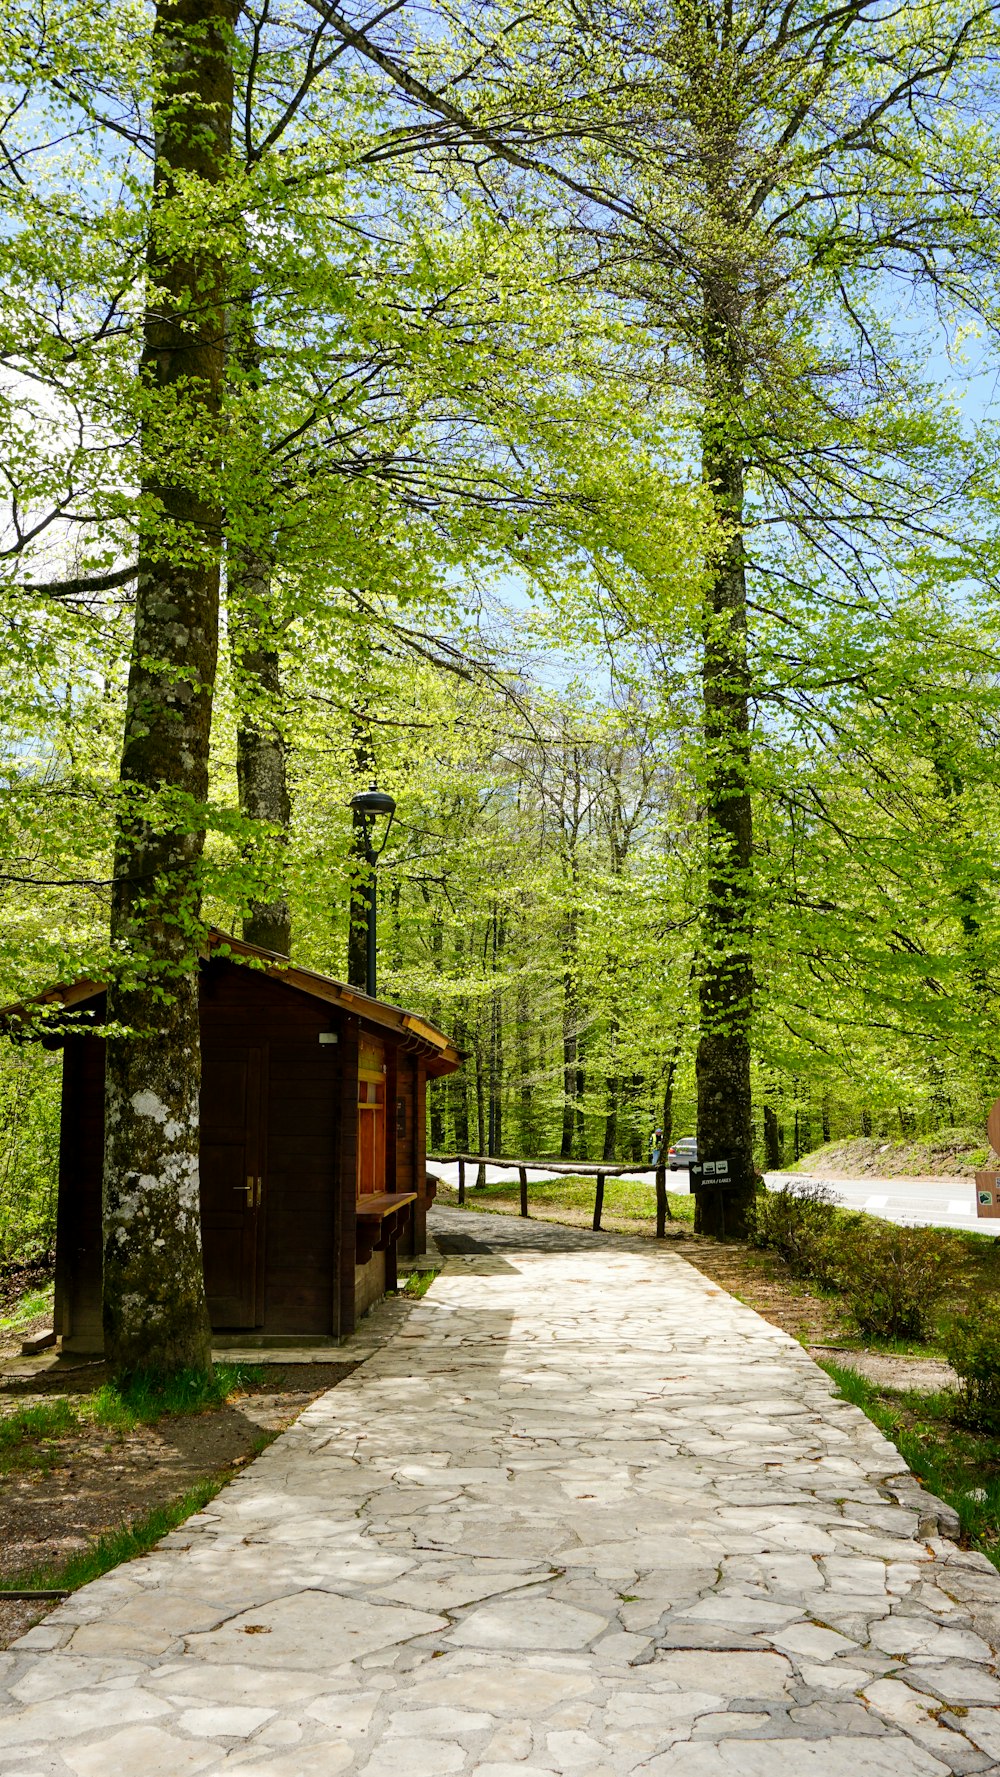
(148, 1396)
(902, 1287)
(116, 1546)
(30, 1436)
(625, 1199)
(418, 1283)
(959, 1465)
(29, 1307)
(27, 1434)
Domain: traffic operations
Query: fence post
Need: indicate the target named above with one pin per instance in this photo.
(598, 1202)
(522, 1173)
(662, 1206)
(461, 1181)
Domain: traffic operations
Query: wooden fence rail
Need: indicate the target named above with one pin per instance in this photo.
(599, 1170)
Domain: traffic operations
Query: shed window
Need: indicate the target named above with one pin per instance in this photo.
(371, 1136)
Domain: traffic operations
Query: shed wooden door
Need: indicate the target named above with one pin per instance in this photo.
(233, 1185)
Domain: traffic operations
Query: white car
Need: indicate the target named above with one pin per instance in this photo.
(681, 1152)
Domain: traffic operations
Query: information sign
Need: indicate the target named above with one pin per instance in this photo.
(988, 1194)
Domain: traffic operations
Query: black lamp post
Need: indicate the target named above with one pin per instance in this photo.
(371, 805)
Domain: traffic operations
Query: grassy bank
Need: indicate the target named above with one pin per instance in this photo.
(960, 1465)
(947, 1153)
(629, 1205)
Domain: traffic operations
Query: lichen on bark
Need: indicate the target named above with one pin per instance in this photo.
(155, 1315)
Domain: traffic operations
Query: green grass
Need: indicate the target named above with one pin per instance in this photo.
(418, 1283)
(148, 1396)
(29, 1435)
(956, 1464)
(29, 1306)
(625, 1198)
(117, 1546)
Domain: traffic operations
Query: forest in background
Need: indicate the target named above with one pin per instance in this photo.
(584, 504)
(538, 898)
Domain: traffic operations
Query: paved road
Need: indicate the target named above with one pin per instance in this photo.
(940, 1202)
(585, 1515)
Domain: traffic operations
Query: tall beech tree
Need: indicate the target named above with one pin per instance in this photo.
(154, 1296)
(754, 176)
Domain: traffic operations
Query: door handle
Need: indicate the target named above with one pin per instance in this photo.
(248, 1188)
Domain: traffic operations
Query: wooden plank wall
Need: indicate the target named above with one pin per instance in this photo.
(347, 1177)
(79, 1214)
(420, 1156)
(311, 1165)
(299, 1220)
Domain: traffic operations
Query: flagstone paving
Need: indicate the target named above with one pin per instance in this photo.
(584, 1514)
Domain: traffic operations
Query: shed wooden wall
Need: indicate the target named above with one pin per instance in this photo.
(79, 1232)
(303, 1168)
(311, 1283)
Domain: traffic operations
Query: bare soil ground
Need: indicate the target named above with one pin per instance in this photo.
(86, 1482)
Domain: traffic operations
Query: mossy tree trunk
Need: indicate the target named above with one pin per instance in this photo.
(155, 1314)
(261, 746)
(725, 986)
(362, 871)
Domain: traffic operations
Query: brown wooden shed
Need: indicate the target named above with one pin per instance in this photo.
(312, 1148)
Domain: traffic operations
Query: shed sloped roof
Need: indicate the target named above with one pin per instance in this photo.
(441, 1055)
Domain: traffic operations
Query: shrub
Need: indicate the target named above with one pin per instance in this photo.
(796, 1224)
(894, 1277)
(30, 1087)
(972, 1344)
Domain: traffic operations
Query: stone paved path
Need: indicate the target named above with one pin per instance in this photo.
(585, 1514)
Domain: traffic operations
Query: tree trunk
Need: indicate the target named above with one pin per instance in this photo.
(725, 989)
(362, 874)
(460, 1088)
(496, 1043)
(637, 1135)
(261, 749)
(667, 1123)
(579, 1092)
(569, 1041)
(396, 935)
(612, 1088)
(496, 1075)
(966, 892)
(481, 1136)
(155, 1314)
(772, 1140)
(526, 1105)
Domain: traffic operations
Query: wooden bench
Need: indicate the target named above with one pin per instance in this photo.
(381, 1217)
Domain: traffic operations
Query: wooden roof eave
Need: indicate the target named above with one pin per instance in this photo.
(26, 1017)
(421, 1035)
(418, 1035)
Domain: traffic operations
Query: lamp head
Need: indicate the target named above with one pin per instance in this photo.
(373, 802)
